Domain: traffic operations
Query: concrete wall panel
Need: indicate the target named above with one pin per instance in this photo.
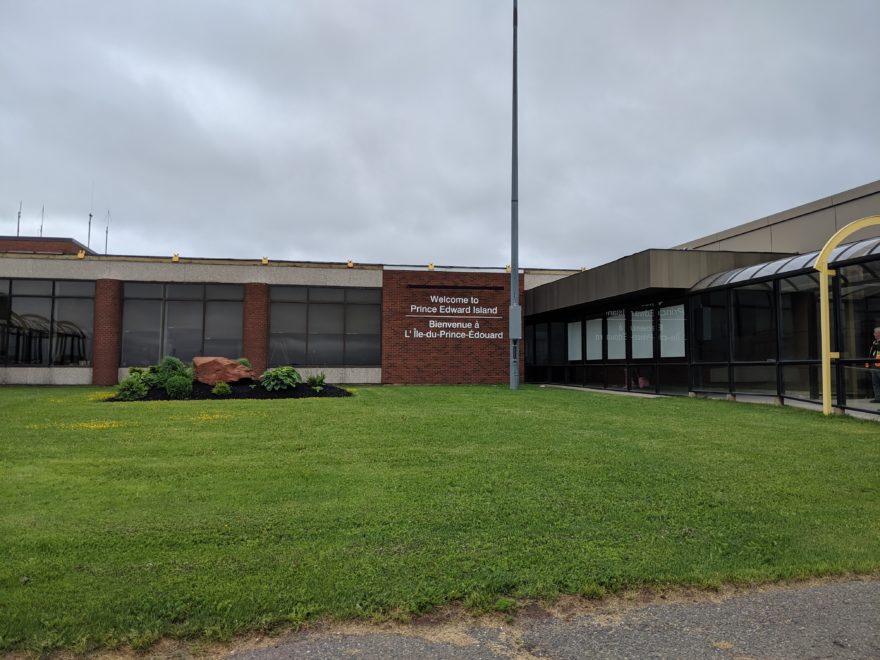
(760, 240)
(95, 268)
(856, 210)
(806, 233)
(45, 376)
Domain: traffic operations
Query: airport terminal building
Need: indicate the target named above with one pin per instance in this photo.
(731, 314)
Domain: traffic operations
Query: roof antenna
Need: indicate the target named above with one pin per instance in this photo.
(106, 232)
(91, 206)
(42, 218)
(18, 225)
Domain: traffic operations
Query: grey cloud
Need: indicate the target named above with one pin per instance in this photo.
(380, 130)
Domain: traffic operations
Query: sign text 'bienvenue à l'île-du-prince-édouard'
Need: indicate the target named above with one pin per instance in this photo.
(453, 317)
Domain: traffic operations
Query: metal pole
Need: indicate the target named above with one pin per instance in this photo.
(515, 311)
(18, 224)
(825, 325)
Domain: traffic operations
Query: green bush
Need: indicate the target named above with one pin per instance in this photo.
(244, 361)
(134, 387)
(280, 378)
(179, 386)
(171, 365)
(316, 381)
(158, 375)
(221, 389)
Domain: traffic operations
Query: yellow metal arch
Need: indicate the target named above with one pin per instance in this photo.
(821, 264)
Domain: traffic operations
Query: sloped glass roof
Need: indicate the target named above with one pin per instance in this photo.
(782, 267)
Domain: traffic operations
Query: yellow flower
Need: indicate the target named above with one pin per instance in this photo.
(210, 417)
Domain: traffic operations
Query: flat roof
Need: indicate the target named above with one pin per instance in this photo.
(640, 273)
(783, 216)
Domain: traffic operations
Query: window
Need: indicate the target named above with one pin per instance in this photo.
(325, 326)
(642, 333)
(860, 307)
(672, 335)
(799, 317)
(709, 312)
(557, 342)
(542, 348)
(141, 332)
(754, 323)
(594, 339)
(574, 341)
(46, 322)
(616, 336)
(183, 320)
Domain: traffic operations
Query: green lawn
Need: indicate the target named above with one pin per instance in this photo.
(122, 523)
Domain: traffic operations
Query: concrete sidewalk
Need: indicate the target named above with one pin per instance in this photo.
(822, 619)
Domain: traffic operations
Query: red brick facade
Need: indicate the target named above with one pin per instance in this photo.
(255, 334)
(107, 338)
(445, 327)
(30, 244)
(437, 327)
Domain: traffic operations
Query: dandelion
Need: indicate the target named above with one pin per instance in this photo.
(210, 417)
(94, 425)
(102, 425)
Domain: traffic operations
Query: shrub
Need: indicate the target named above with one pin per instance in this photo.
(221, 389)
(316, 381)
(158, 375)
(244, 361)
(134, 387)
(179, 386)
(171, 365)
(280, 378)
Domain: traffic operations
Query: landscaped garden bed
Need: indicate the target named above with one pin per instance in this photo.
(219, 378)
(248, 389)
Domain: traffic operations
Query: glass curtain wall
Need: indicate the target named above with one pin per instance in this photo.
(182, 320)
(639, 348)
(325, 326)
(859, 310)
(754, 331)
(46, 322)
(800, 337)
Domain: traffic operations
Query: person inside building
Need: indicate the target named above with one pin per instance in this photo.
(874, 365)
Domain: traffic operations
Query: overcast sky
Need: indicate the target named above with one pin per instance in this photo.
(380, 130)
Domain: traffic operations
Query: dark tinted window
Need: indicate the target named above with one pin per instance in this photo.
(710, 339)
(326, 294)
(143, 290)
(75, 289)
(185, 291)
(31, 287)
(141, 332)
(371, 296)
(754, 323)
(224, 292)
(288, 293)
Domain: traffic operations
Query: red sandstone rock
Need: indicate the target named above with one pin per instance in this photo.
(213, 370)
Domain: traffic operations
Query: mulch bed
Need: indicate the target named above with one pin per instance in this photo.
(250, 389)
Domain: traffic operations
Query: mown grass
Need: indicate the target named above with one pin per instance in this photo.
(124, 523)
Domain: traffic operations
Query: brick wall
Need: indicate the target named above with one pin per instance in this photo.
(41, 245)
(415, 350)
(255, 333)
(107, 337)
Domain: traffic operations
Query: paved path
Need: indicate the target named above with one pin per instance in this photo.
(838, 619)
